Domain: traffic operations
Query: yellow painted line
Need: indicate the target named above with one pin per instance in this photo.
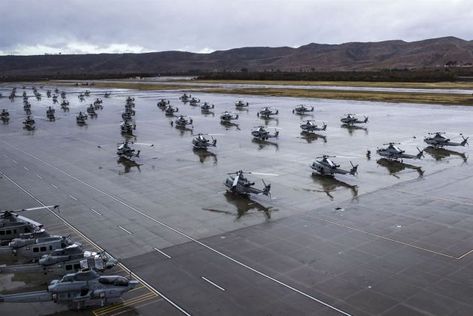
(127, 307)
(136, 306)
(108, 309)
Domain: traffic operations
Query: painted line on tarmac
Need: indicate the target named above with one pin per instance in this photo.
(161, 252)
(217, 286)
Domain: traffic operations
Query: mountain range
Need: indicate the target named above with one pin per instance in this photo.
(353, 56)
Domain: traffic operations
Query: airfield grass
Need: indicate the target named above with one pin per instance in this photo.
(143, 86)
(414, 85)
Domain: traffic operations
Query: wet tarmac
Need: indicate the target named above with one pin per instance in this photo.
(395, 239)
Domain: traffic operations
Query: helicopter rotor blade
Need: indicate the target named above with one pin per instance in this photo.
(37, 208)
(263, 174)
(235, 181)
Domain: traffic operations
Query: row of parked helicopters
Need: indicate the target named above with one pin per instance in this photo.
(81, 283)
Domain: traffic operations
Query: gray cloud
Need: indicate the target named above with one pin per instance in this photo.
(80, 26)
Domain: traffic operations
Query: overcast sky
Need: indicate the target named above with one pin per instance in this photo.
(96, 26)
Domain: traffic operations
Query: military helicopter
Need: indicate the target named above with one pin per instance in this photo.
(86, 93)
(240, 104)
(302, 109)
(395, 166)
(107, 94)
(266, 112)
(351, 119)
(393, 152)
(91, 111)
(181, 122)
(205, 107)
(194, 101)
(78, 290)
(29, 123)
(81, 118)
(98, 104)
(81, 97)
(261, 133)
(202, 143)
(63, 94)
(128, 114)
(50, 114)
(440, 141)
(185, 98)
(64, 103)
(55, 99)
(127, 128)
(162, 104)
(238, 183)
(5, 116)
(48, 93)
(310, 126)
(13, 225)
(227, 117)
(27, 108)
(32, 249)
(125, 151)
(326, 167)
(170, 110)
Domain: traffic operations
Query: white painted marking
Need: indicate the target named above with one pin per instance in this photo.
(134, 275)
(53, 186)
(73, 197)
(129, 232)
(39, 176)
(26, 169)
(218, 287)
(14, 161)
(166, 255)
(184, 234)
(96, 212)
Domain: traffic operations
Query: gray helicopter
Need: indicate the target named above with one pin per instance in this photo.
(302, 109)
(194, 101)
(440, 141)
(78, 290)
(65, 260)
(227, 117)
(393, 152)
(127, 127)
(107, 94)
(50, 114)
(351, 119)
(202, 143)
(240, 104)
(261, 133)
(170, 110)
(29, 123)
(326, 167)
(32, 249)
(13, 225)
(128, 114)
(310, 126)
(91, 111)
(65, 105)
(81, 118)
(266, 112)
(130, 101)
(5, 116)
(181, 122)
(162, 104)
(185, 98)
(205, 107)
(125, 151)
(238, 183)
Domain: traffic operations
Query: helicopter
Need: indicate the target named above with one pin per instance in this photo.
(240, 104)
(205, 107)
(63, 94)
(125, 151)
(81, 118)
(326, 167)
(55, 99)
(128, 114)
(181, 122)
(266, 112)
(162, 104)
(86, 93)
(238, 183)
(302, 109)
(194, 101)
(185, 98)
(91, 111)
(13, 225)
(29, 123)
(351, 119)
(5, 116)
(261, 133)
(202, 143)
(107, 94)
(393, 152)
(227, 117)
(440, 141)
(127, 128)
(64, 103)
(78, 290)
(310, 126)
(170, 110)
(48, 93)
(32, 249)
(395, 166)
(50, 114)
(98, 104)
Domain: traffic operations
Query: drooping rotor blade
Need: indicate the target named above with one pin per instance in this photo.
(37, 208)
(264, 174)
(144, 144)
(235, 181)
